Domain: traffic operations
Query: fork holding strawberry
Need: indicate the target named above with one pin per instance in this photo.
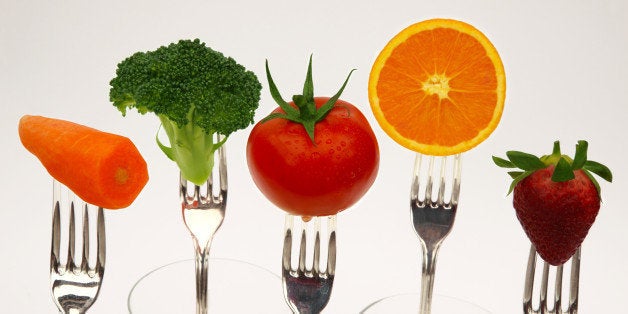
(556, 198)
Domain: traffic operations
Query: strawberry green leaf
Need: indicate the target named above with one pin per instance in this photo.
(599, 169)
(554, 157)
(515, 174)
(594, 181)
(525, 161)
(562, 171)
(581, 155)
(518, 179)
(556, 148)
(500, 162)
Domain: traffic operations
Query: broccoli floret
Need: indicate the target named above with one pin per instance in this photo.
(196, 92)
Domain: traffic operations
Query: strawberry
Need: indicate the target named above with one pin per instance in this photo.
(556, 198)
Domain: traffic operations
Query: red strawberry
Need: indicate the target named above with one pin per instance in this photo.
(556, 216)
(556, 199)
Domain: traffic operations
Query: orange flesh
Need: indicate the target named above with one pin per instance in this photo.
(438, 87)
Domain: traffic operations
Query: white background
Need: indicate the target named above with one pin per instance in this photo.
(566, 65)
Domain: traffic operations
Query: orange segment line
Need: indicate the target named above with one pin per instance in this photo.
(464, 69)
(451, 54)
(466, 117)
(406, 74)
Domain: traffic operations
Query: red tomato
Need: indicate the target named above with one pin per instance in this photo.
(318, 179)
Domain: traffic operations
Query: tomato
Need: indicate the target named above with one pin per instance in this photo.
(314, 178)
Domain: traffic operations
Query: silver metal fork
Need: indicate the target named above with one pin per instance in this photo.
(433, 219)
(75, 287)
(307, 290)
(203, 214)
(558, 287)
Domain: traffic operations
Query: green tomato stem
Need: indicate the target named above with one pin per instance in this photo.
(305, 112)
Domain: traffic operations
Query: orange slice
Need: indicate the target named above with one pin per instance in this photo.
(438, 87)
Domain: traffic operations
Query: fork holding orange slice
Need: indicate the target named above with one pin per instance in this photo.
(438, 87)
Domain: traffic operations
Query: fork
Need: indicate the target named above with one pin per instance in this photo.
(203, 215)
(307, 290)
(543, 306)
(75, 287)
(432, 220)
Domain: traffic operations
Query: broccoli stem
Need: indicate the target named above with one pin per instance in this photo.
(192, 148)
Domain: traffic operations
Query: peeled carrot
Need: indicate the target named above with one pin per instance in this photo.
(101, 168)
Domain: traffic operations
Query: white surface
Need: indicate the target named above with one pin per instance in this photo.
(566, 65)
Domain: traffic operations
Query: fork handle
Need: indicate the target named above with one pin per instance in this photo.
(427, 278)
(202, 267)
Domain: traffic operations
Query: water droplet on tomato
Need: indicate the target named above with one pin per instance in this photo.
(328, 141)
(315, 155)
(331, 151)
(338, 148)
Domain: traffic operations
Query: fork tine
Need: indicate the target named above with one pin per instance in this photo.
(529, 281)
(414, 189)
(71, 241)
(287, 242)
(222, 166)
(197, 194)
(56, 228)
(455, 193)
(544, 279)
(430, 181)
(574, 282)
(100, 238)
(558, 290)
(220, 195)
(211, 195)
(183, 190)
(441, 187)
(209, 192)
(186, 198)
(317, 245)
(331, 252)
(85, 253)
(302, 249)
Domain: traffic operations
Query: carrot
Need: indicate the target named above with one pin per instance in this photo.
(101, 168)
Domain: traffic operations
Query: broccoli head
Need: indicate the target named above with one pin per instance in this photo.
(196, 92)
